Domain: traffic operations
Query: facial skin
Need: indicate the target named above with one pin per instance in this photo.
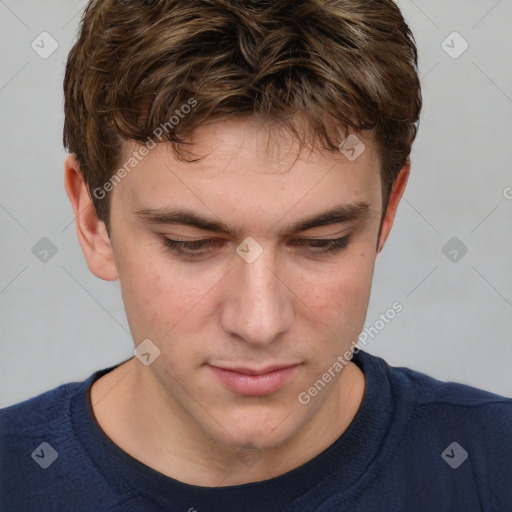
(293, 305)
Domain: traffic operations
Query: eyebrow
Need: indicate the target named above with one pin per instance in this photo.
(176, 215)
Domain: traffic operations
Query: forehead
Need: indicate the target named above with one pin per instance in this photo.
(253, 171)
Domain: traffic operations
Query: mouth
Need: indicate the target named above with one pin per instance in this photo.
(255, 382)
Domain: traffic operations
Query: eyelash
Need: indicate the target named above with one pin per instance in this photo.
(333, 246)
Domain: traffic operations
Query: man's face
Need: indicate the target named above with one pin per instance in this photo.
(227, 303)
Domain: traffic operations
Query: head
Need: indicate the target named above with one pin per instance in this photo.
(207, 122)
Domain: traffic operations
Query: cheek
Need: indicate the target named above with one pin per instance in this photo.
(148, 296)
(156, 299)
(339, 297)
(164, 301)
(342, 286)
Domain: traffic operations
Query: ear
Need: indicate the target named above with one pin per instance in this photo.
(91, 232)
(394, 198)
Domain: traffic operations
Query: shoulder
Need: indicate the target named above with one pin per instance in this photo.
(436, 408)
(47, 412)
(442, 413)
(426, 391)
(420, 389)
(449, 440)
(27, 426)
(44, 410)
(42, 459)
(32, 431)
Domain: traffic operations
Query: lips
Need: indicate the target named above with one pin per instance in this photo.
(250, 371)
(254, 382)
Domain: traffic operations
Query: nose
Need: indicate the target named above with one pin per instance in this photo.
(258, 306)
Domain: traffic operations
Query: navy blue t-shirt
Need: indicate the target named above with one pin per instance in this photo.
(416, 444)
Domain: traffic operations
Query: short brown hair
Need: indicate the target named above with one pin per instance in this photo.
(337, 64)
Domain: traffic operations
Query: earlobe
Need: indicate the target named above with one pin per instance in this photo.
(397, 192)
(91, 232)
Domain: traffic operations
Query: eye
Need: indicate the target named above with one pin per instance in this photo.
(192, 249)
(327, 246)
(200, 248)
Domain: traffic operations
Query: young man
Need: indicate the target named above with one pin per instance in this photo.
(237, 166)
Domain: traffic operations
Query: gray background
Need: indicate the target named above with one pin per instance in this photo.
(60, 323)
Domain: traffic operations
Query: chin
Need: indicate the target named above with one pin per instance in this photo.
(253, 433)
